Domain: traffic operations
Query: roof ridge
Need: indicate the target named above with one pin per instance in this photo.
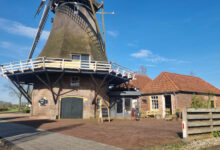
(171, 81)
(145, 76)
(181, 74)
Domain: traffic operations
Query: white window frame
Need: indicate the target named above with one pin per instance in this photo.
(129, 106)
(213, 103)
(154, 98)
(80, 56)
(76, 55)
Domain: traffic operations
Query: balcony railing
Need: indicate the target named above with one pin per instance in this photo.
(56, 63)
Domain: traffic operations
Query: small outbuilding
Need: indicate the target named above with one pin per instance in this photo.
(124, 99)
(171, 92)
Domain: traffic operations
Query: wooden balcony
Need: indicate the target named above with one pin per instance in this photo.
(56, 64)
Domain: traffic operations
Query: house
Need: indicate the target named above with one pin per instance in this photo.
(125, 97)
(170, 92)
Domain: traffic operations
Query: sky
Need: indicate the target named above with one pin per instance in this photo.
(179, 36)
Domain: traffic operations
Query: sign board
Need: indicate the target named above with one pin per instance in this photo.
(43, 102)
(104, 112)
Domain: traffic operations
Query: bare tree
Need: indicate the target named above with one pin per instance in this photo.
(142, 70)
(13, 91)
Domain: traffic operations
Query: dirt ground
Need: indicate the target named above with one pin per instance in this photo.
(127, 134)
(2, 148)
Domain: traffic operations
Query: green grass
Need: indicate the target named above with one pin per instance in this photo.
(175, 146)
(9, 111)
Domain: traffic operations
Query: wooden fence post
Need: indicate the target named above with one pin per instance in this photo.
(184, 123)
(211, 120)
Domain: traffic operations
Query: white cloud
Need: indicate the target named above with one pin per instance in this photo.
(150, 56)
(11, 46)
(17, 28)
(113, 33)
(142, 54)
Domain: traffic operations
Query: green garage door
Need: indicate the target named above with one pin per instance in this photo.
(71, 108)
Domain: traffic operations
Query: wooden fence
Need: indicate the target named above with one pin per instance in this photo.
(200, 121)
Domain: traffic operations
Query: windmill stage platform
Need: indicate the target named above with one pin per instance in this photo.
(26, 71)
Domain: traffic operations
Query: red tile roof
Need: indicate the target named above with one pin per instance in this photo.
(140, 82)
(171, 82)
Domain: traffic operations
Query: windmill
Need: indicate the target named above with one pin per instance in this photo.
(72, 73)
(73, 5)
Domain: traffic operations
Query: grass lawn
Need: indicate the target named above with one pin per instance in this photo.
(175, 146)
(9, 111)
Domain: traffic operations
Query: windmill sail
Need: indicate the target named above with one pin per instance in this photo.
(40, 29)
(40, 7)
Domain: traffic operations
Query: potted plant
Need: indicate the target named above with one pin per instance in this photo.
(158, 116)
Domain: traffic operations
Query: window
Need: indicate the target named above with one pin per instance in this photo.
(212, 104)
(81, 57)
(76, 10)
(85, 57)
(98, 103)
(75, 81)
(144, 101)
(85, 61)
(119, 106)
(75, 57)
(127, 104)
(154, 102)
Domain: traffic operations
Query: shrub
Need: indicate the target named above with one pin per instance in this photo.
(216, 134)
(3, 109)
(26, 110)
(197, 103)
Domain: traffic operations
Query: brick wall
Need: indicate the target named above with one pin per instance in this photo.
(179, 101)
(86, 91)
(145, 102)
(185, 100)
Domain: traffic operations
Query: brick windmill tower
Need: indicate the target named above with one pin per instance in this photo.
(72, 73)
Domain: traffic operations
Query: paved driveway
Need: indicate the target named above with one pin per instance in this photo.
(126, 134)
(2, 148)
(29, 138)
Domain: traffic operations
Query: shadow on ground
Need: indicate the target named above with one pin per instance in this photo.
(22, 131)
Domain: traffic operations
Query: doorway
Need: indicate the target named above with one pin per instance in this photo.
(168, 104)
(71, 108)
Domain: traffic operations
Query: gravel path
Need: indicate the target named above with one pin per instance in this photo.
(202, 144)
